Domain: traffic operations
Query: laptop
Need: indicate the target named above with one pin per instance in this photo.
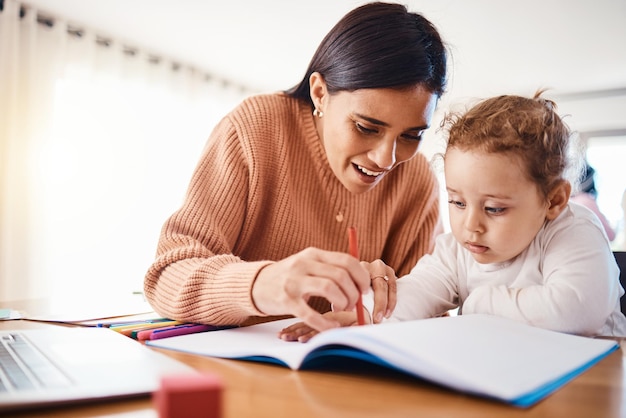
(58, 365)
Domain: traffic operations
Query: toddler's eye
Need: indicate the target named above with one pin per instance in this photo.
(457, 203)
(495, 211)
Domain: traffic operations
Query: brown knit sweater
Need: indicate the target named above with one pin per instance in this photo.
(262, 191)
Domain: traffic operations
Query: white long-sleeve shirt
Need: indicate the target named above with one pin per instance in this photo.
(567, 280)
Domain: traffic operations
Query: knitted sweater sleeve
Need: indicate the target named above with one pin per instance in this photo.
(195, 276)
(418, 221)
(429, 226)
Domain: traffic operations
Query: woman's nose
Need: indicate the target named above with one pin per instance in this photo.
(384, 154)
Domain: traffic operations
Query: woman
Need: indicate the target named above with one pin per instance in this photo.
(262, 231)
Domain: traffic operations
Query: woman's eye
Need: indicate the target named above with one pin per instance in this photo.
(413, 137)
(365, 130)
(456, 203)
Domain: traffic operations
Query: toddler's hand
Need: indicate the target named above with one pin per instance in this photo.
(301, 332)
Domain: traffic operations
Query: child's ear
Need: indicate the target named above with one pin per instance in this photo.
(558, 199)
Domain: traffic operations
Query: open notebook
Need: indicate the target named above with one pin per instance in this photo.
(478, 354)
(58, 365)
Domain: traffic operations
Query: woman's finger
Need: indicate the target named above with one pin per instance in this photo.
(378, 274)
(381, 297)
(392, 292)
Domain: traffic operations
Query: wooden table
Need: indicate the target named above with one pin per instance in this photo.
(263, 390)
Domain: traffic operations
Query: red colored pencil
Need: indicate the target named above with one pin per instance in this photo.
(354, 252)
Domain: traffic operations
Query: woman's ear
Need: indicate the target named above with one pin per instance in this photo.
(317, 89)
(558, 199)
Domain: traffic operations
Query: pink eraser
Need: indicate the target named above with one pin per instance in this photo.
(189, 396)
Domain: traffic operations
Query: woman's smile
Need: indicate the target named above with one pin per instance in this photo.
(367, 176)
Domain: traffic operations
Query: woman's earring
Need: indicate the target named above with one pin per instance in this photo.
(318, 113)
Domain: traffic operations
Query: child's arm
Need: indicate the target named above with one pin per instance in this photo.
(575, 291)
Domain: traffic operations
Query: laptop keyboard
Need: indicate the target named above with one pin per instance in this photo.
(23, 367)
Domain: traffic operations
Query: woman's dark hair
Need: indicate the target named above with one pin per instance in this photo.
(378, 45)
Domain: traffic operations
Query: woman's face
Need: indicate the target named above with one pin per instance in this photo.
(367, 133)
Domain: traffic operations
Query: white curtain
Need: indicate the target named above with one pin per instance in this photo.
(97, 144)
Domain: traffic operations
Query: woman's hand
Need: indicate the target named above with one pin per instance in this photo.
(383, 280)
(302, 332)
(284, 287)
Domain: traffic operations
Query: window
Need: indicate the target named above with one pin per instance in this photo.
(606, 153)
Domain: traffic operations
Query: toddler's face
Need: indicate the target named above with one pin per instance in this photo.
(495, 210)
